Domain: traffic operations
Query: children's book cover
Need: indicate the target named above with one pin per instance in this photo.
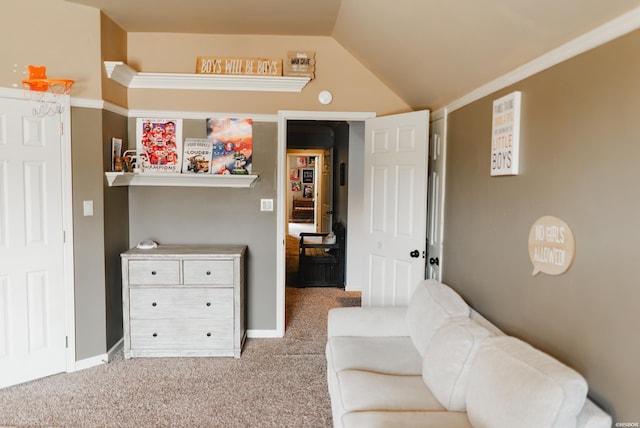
(159, 145)
(196, 157)
(232, 145)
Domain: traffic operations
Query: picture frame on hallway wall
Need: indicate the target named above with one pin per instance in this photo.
(307, 176)
(307, 191)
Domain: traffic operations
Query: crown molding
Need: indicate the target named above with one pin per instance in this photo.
(613, 29)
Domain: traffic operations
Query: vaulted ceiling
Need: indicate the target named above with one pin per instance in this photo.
(430, 52)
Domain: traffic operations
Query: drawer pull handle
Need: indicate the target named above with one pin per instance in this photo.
(208, 303)
(153, 272)
(208, 272)
(208, 334)
(154, 304)
(155, 334)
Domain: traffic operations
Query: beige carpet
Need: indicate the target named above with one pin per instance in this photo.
(276, 383)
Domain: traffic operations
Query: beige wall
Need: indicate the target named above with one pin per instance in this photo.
(579, 162)
(62, 36)
(113, 43)
(88, 231)
(354, 88)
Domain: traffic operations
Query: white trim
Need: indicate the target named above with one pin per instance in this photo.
(100, 359)
(87, 103)
(12, 93)
(67, 219)
(281, 177)
(126, 76)
(115, 349)
(114, 108)
(199, 115)
(87, 363)
(263, 334)
(613, 29)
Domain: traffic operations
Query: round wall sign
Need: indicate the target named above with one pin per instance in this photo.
(552, 246)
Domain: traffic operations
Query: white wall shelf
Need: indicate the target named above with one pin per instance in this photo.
(126, 76)
(179, 180)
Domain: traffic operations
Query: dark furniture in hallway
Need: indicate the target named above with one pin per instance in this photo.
(321, 264)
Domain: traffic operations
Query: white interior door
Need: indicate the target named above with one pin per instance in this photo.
(437, 152)
(32, 287)
(395, 207)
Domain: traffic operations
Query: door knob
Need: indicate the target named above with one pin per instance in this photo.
(434, 261)
(415, 254)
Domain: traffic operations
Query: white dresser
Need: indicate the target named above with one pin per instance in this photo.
(184, 300)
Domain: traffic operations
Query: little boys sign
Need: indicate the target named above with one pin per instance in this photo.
(505, 135)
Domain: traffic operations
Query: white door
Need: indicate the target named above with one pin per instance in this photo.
(32, 287)
(395, 207)
(436, 199)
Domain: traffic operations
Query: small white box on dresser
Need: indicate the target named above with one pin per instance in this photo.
(184, 300)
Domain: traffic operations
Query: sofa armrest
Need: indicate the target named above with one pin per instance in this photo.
(592, 416)
(368, 321)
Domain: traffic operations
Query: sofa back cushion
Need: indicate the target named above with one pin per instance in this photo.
(447, 361)
(432, 305)
(513, 384)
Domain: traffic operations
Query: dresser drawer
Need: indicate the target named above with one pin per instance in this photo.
(177, 302)
(214, 272)
(181, 335)
(154, 272)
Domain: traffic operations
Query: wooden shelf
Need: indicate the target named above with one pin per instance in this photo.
(179, 180)
(126, 76)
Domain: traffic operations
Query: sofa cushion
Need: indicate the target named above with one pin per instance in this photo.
(431, 306)
(391, 355)
(448, 359)
(362, 390)
(428, 419)
(513, 384)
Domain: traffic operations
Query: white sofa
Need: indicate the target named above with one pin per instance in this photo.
(438, 363)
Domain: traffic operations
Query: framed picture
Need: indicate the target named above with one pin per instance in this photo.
(294, 174)
(307, 176)
(302, 162)
(307, 191)
(159, 145)
(295, 186)
(116, 154)
(232, 145)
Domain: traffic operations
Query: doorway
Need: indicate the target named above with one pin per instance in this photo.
(306, 119)
(309, 193)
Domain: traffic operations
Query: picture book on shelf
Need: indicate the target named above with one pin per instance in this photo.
(159, 145)
(232, 141)
(196, 157)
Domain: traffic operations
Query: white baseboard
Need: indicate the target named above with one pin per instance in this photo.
(115, 349)
(87, 363)
(263, 334)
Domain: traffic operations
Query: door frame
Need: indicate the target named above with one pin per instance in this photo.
(283, 117)
(67, 220)
(317, 182)
(441, 114)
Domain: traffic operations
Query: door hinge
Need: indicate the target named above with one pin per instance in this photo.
(66, 342)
